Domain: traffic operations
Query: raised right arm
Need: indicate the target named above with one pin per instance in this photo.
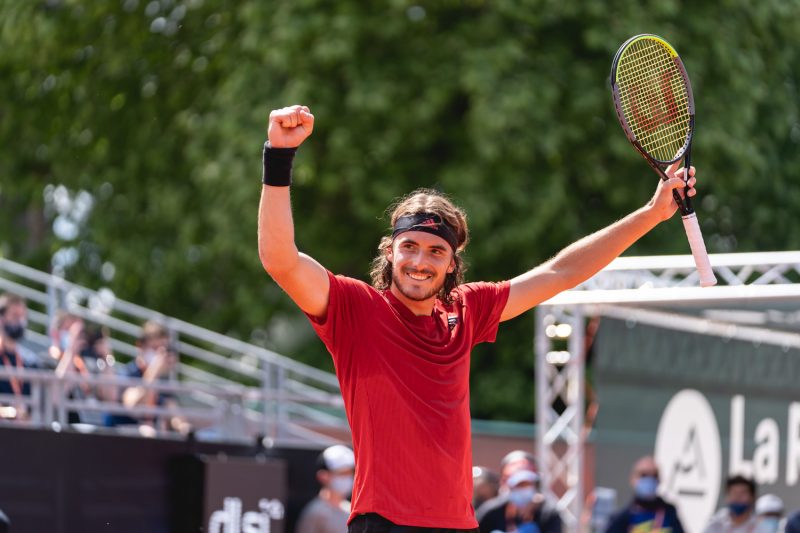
(304, 279)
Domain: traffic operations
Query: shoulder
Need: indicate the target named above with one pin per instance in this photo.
(793, 523)
(352, 287)
(131, 370)
(620, 515)
(481, 294)
(490, 508)
(312, 508)
(718, 520)
(28, 356)
(670, 508)
(549, 508)
(481, 287)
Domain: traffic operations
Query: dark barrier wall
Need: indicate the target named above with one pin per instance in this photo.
(227, 494)
(70, 482)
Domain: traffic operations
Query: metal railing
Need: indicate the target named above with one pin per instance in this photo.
(277, 397)
(52, 402)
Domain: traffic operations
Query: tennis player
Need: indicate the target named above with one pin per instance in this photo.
(401, 346)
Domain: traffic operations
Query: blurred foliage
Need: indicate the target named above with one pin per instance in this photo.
(153, 113)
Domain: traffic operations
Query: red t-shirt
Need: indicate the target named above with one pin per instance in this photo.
(405, 384)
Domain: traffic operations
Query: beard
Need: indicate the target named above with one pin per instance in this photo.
(400, 281)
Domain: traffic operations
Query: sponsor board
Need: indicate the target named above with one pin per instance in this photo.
(689, 452)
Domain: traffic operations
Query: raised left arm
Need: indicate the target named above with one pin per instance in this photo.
(584, 258)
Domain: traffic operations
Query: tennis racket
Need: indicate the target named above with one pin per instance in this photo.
(654, 103)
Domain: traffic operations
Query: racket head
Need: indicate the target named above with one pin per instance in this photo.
(653, 98)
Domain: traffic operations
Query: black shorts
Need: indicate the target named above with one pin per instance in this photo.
(375, 523)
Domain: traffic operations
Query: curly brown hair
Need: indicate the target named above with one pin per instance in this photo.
(417, 202)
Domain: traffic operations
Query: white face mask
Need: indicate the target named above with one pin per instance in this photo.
(521, 497)
(149, 355)
(63, 340)
(342, 484)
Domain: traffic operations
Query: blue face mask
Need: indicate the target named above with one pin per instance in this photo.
(738, 509)
(646, 488)
(768, 525)
(522, 496)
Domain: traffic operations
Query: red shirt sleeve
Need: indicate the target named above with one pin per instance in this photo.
(484, 303)
(349, 303)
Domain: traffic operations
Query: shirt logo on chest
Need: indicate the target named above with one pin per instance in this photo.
(452, 320)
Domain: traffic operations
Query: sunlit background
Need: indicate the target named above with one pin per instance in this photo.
(131, 131)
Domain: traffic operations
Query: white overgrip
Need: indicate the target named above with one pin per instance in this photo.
(698, 247)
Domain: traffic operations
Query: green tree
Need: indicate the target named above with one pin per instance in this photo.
(158, 111)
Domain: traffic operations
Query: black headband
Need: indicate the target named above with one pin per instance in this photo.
(429, 223)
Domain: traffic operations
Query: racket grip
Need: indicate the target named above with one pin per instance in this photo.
(698, 247)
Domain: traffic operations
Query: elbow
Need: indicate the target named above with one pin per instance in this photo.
(269, 258)
(275, 264)
(569, 273)
(569, 279)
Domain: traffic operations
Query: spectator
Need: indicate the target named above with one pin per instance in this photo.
(520, 506)
(769, 510)
(14, 320)
(67, 340)
(485, 485)
(328, 512)
(85, 350)
(62, 333)
(647, 512)
(738, 515)
(793, 523)
(154, 361)
(99, 359)
(514, 461)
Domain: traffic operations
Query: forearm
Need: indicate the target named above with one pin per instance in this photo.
(276, 246)
(582, 259)
(142, 394)
(65, 364)
(132, 396)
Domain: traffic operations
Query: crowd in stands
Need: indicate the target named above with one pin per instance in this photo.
(82, 350)
(510, 500)
(743, 510)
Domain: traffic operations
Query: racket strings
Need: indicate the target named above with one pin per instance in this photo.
(654, 98)
(652, 104)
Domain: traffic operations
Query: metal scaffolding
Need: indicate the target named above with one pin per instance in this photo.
(656, 290)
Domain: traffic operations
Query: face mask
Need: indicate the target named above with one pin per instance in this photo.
(342, 484)
(738, 509)
(63, 340)
(149, 355)
(646, 488)
(768, 525)
(14, 331)
(521, 497)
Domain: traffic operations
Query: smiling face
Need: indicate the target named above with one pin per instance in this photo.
(420, 263)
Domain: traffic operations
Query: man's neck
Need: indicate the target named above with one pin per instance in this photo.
(418, 307)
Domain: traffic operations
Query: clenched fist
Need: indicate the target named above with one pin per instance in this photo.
(289, 126)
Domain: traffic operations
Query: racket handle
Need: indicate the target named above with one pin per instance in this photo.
(698, 247)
